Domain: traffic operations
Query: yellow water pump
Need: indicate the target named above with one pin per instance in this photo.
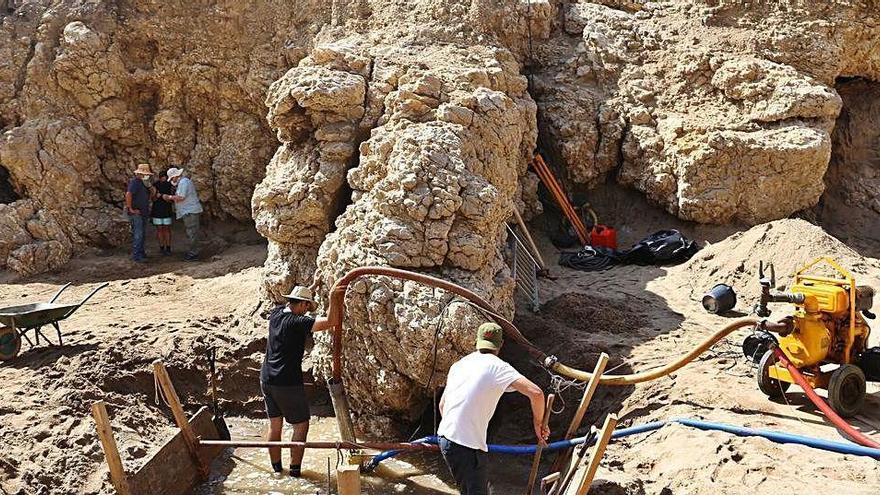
(828, 328)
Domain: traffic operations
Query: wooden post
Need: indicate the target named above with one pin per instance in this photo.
(111, 453)
(192, 442)
(578, 418)
(536, 462)
(348, 479)
(592, 463)
(568, 472)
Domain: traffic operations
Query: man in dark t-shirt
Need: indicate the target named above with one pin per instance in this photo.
(281, 377)
(137, 206)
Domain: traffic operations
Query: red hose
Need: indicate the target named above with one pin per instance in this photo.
(821, 404)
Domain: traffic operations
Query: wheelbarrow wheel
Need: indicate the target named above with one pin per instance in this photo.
(846, 390)
(10, 343)
(771, 387)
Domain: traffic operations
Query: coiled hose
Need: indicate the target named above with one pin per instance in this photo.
(772, 435)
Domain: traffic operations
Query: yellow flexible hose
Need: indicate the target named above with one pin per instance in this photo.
(663, 370)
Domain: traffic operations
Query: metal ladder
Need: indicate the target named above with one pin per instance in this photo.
(524, 268)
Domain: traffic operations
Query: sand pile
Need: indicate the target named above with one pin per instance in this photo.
(788, 244)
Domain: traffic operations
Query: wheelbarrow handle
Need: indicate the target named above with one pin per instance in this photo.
(59, 292)
(105, 284)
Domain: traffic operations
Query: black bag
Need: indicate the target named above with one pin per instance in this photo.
(660, 248)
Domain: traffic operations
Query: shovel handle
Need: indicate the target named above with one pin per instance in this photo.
(536, 461)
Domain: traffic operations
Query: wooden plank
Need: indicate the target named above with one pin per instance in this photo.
(536, 462)
(169, 470)
(180, 418)
(596, 455)
(348, 479)
(111, 453)
(578, 418)
(567, 474)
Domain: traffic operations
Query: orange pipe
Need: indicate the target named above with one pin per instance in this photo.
(854, 434)
(561, 198)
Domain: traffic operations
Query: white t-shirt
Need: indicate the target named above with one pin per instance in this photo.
(473, 388)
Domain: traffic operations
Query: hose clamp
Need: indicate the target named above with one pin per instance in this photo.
(550, 361)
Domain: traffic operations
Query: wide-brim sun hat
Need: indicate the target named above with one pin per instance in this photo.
(174, 172)
(300, 293)
(143, 169)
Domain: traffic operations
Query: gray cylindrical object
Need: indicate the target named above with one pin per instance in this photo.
(342, 411)
(719, 299)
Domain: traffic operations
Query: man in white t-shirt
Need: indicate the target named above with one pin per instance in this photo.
(473, 388)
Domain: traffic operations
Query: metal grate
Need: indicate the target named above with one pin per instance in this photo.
(525, 269)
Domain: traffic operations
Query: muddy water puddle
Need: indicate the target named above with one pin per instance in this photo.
(248, 472)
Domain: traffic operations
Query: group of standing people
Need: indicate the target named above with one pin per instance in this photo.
(171, 195)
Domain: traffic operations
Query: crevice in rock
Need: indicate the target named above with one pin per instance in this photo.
(849, 209)
(22, 72)
(7, 192)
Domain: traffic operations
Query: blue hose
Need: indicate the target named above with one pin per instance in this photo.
(774, 436)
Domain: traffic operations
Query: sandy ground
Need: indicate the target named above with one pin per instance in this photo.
(646, 316)
(641, 316)
(166, 309)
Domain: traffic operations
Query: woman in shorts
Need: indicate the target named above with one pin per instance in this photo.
(162, 213)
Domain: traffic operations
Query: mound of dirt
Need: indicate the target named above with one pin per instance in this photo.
(789, 244)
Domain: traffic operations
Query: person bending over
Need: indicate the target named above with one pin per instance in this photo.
(473, 388)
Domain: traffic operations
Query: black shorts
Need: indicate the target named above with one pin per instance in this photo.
(287, 401)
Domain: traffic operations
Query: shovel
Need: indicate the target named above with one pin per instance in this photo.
(217, 419)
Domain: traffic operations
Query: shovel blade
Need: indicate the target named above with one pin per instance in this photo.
(222, 429)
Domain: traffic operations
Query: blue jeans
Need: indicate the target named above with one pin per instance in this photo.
(469, 467)
(138, 226)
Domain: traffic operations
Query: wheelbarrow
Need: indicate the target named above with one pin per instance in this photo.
(17, 321)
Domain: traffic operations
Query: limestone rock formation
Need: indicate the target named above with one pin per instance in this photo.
(93, 88)
(719, 112)
(451, 131)
(406, 129)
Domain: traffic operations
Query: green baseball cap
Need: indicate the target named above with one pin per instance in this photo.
(489, 336)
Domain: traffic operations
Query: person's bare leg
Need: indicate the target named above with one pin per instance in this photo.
(273, 434)
(166, 236)
(300, 434)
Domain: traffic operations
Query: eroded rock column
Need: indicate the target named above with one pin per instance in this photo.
(453, 131)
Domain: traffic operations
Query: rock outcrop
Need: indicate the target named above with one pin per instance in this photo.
(850, 207)
(451, 131)
(719, 112)
(93, 88)
(405, 131)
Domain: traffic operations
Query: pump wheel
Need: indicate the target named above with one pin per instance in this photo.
(10, 343)
(771, 387)
(846, 390)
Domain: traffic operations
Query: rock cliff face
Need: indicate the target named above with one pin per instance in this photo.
(717, 111)
(405, 131)
(428, 147)
(92, 88)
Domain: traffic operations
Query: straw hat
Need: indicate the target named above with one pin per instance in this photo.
(143, 169)
(174, 172)
(300, 293)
